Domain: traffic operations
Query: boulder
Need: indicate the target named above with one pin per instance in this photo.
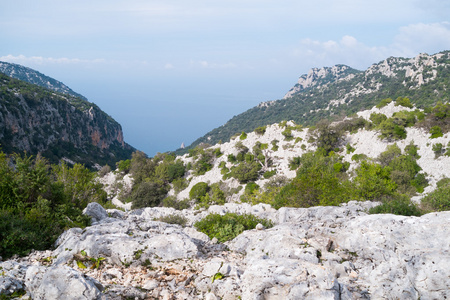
(61, 282)
(95, 211)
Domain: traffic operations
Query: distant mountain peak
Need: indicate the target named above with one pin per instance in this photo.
(321, 76)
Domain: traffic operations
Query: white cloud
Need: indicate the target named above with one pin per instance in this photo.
(421, 37)
(39, 60)
(169, 66)
(211, 65)
(410, 41)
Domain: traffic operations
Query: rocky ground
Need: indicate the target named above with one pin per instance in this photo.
(310, 253)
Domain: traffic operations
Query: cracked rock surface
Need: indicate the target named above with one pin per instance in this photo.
(310, 253)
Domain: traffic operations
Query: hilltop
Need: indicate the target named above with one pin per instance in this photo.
(335, 92)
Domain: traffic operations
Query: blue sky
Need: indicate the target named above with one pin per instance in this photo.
(170, 71)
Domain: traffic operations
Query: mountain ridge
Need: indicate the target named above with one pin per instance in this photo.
(57, 124)
(34, 77)
(425, 79)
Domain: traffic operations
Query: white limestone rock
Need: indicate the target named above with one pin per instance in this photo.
(96, 212)
(61, 282)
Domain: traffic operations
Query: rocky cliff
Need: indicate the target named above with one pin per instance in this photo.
(38, 120)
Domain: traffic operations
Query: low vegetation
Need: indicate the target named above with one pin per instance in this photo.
(227, 227)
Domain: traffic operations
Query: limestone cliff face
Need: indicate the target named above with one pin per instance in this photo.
(37, 120)
(321, 76)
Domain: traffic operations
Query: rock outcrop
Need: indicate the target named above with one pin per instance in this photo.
(311, 253)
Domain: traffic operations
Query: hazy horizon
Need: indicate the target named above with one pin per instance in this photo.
(170, 71)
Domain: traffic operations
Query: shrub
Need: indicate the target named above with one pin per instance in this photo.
(317, 183)
(241, 147)
(412, 150)
(243, 136)
(438, 149)
(246, 171)
(175, 170)
(294, 163)
(124, 166)
(384, 102)
(232, 158)
(349, 148)
(37, 202)
(373, 181)
(287, 134)
(203, 164)
(274, 145)
(171, 201)
(328, 137)
(269, 174)
(104, 170)
(199, 190)
(403, 101)
(436, 132)
(260, 130)
(439, 199)
(228, 226)
(179, 184)
(359, 157)
(173, 219)
(377, 118)
(391, 152)
(148, 194)
(399, 205)
(391, 130)
(250, 187)
(217, 153)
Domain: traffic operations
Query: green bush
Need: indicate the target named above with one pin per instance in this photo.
(38, 201)
(403, 101)
(173, 219)
(391, 130)
(439, 199)
(317, 183)
(384, 102)
(228, 226)
(269, 174)
(373, 181)
(124, 166)
(246, 171)
(148, 194)
(349, 148)
(243, 136)
(260, 130)
(180, 184)
(274, 145)
(104, 170)
(398, 205)
(436, 132)
(438, 149)
(171, 201)
(199, 190)
(287, 134)
(377, 118)
(232, 158)
(251, 187)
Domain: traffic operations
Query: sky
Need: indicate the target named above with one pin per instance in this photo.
(169, 71)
